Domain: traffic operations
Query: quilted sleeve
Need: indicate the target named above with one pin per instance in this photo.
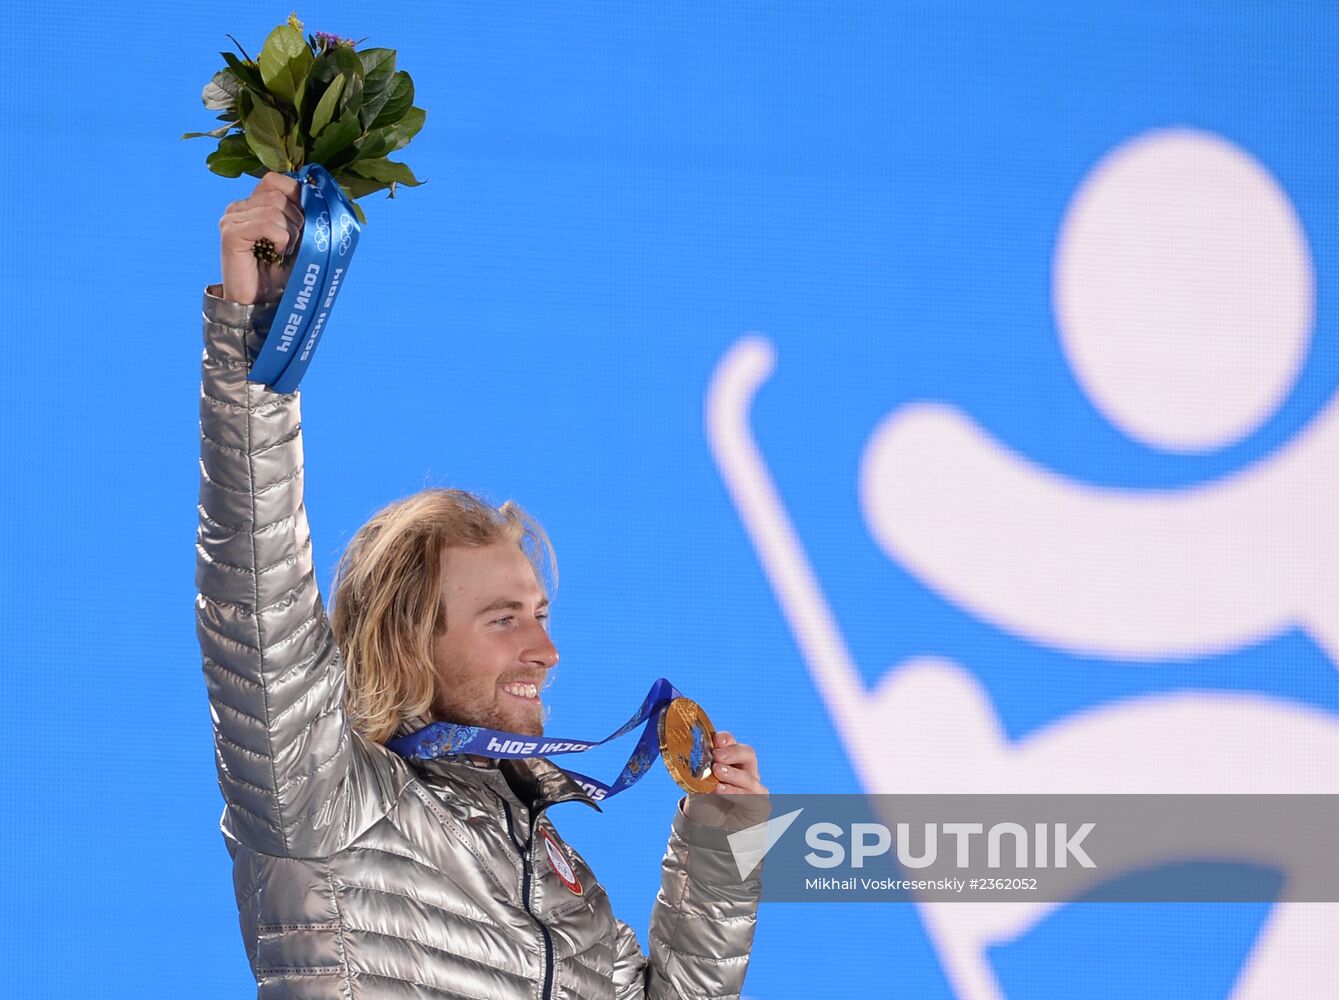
(701, 927)
(629, 964)
(283, 745)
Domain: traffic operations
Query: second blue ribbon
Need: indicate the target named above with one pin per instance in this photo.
(329, 237)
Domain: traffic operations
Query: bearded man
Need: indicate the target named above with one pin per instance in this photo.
(360, 874)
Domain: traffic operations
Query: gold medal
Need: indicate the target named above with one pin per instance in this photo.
(686, 741)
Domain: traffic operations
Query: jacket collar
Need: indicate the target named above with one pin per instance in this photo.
(535, 781)
(540, 783)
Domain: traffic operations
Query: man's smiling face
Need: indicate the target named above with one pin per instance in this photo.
(494, 656)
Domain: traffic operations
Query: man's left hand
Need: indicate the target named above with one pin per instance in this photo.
(735, 765)
(739, 799)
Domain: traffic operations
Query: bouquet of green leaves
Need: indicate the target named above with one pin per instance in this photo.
(313, 100)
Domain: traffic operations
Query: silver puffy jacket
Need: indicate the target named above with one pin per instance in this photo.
(361, 875)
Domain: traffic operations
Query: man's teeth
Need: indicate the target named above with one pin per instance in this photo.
(522, 690)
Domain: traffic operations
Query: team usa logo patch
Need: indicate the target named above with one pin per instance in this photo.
(558, 862)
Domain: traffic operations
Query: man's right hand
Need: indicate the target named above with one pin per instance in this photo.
(273, 212)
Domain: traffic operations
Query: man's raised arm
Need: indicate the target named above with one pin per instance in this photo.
(283, 744)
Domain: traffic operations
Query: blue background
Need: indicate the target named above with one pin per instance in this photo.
(616, 193)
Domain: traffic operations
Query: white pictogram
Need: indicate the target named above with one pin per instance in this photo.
(1136, 574)
(1141, 574)
(1183, 289)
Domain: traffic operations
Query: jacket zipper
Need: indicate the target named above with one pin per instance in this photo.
(525, 898)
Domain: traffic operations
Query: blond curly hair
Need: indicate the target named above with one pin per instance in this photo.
(387, 604)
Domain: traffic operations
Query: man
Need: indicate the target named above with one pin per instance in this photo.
(360, 874)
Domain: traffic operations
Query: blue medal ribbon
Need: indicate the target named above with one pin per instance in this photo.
(444, 739)
(329, 236)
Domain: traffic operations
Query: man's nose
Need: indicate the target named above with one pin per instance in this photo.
(541, 651)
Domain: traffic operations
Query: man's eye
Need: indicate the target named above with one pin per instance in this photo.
(505, 620)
